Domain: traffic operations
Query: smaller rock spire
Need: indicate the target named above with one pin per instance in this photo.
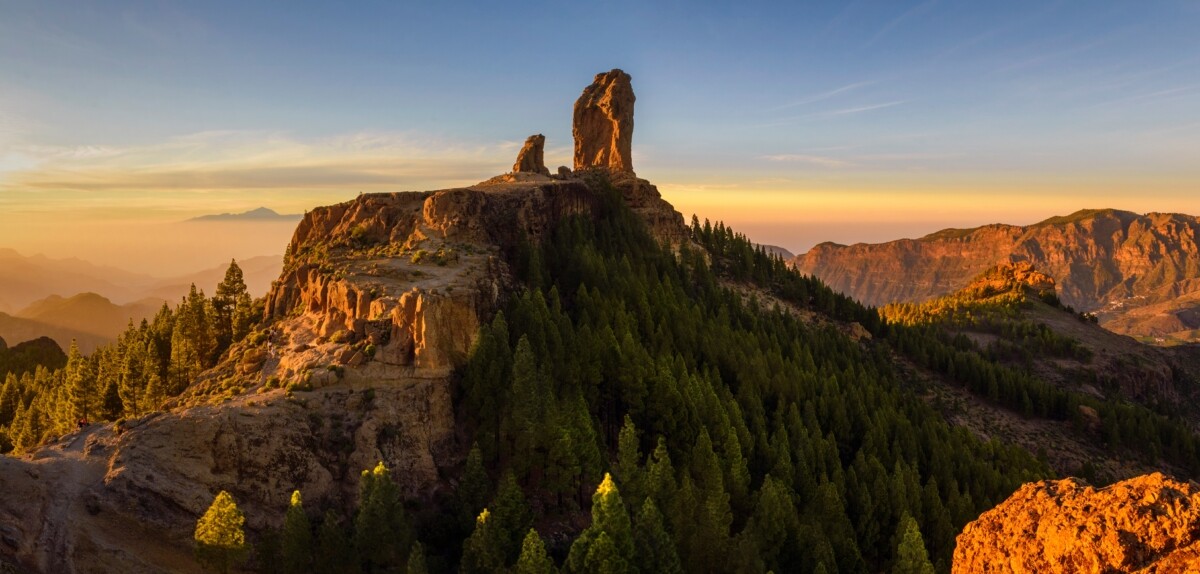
(530, 159)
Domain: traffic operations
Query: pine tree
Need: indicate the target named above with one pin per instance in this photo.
(653, 547)
(472, 490)
(192, 341)
(511, 516)
(830, 512)
(220, 540)
(604, 558)
(245, 315)
(911, 556)
(714, 516)
(774, 523)
(224, 302)
(527, 410)
(8, 400)
(267, 553)
(534, 559)
(416, 560)
(486, 381)
(629, 458)
(483, 551)
(296, 538)
(112, 407)
(562, 468)
(660, 476)
(610, 521)
(81, 383)
(381, 532)
(334, 554)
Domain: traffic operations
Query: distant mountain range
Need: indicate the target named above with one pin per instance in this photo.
(1139, 273)
(67, 299)
(258, 215)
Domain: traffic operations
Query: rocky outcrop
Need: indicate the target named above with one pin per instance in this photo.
(412, 274)
(1113, 263)
(1146, 524)
(108, 501)
(603, 126)
(379, 301)
(1010, 277)
(530, 159)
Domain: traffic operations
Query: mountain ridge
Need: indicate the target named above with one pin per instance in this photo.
(1133, 271)
(256, 214)
(540, 337)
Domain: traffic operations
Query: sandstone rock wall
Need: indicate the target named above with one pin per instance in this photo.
(1146, 524)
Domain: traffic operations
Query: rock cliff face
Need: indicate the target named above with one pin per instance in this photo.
(379, 301)
(603, 126)
(531, 158)
(1146, 524)
(1139, 273)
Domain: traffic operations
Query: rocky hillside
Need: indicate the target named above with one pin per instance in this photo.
(1139, 273)
(1012, 314)
(526, 341)
(1146, 525)
(380, 300)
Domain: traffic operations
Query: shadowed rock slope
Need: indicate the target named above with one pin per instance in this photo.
(1139, 273)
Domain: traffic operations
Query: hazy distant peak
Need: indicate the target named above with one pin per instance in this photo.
(782, 252)
(258, 214)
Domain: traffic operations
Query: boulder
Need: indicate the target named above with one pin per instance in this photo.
(1144, 524)
(603, 125)
(530, 159)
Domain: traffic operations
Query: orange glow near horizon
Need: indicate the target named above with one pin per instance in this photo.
(125, 207)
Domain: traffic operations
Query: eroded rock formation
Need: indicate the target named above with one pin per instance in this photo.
(531, 157)
(1146, 524)
(603, 126)
(379, 301)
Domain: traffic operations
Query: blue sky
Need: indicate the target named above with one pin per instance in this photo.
(797, 121)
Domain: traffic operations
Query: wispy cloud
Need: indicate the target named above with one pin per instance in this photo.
(232, 160)
(861, 109)
(1149, 96)
(831, 113)
(822, 161)
(821, 96)
(897, 21)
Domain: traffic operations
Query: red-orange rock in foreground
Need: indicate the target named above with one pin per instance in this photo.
(1149, 524)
